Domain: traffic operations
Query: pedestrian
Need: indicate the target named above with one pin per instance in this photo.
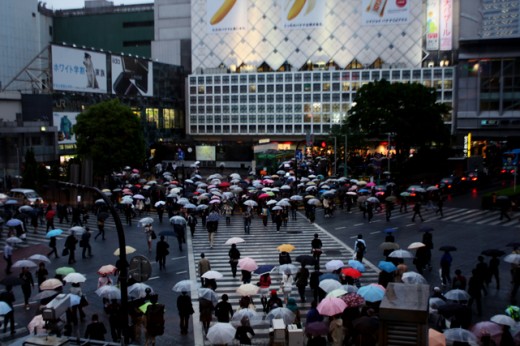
(101, 228)
(287, 284)
(284, 258)
(505, 205)
(104, 280)
(228, 210)
(185, 309)
(70, 245)
(192, 223)
(248, 215)
(493, 270)
(417, 211)
(128, 214)
(49, 217)
(302, 280)
(212, 226)
(41, 274)
(313, 314)
(178, 229)
(459, 280)
(27, 285)
(337, 331)
(278, 220)
(149, 233)
(482, 273)
(234, 256)
(274, 301)
(76, 289)
(224, 310)
(314, 284)
(264, 215)
(264, 283)
(422, 258)
(475, 291)
(440, 204)
(360, 248)
(370, 211)
(160, 211)
(244, 331)
(389, 206)
(154, 320)
(85, 243)
(445, 264)
(54, 249)
(114, 320)
(204, 266)
(316, 250)
(7, 297)
(8, 257)
(206, 313)
(515, 272)
(95, 330)
(246, 276)
(161, 251)
(294, 210)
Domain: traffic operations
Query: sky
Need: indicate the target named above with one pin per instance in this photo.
(68, 4)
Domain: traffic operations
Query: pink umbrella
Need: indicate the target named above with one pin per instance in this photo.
(331, 306)
(370, 184)
(247, 263)
(488, 328)
(353, 300)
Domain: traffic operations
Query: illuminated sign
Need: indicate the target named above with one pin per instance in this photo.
(446, 25)
(432, 24)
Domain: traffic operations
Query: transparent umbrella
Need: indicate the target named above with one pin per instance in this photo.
(221, 333)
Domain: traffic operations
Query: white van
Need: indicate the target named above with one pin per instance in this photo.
(25, 196)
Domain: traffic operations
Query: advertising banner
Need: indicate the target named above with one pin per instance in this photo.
(384, 12)
(78, 70)
(205, 153)
(303, 14)
(432, 24)
(446, 27)
(226, 15)
(64, 121)
(131, 76)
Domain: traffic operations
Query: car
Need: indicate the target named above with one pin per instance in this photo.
(25, 196)
(451, 184)
(475, 178)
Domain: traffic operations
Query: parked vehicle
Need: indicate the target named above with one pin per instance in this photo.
(25, 196)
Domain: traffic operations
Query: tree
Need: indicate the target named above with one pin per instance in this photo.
(111, 135)
(409, 111)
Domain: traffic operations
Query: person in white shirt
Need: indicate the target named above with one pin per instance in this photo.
(8, 256)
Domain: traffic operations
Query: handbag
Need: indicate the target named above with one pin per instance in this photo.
(83, 301)
(153, 235)
(65, 252)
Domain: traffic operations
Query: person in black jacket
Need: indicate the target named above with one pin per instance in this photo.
(8, 297)
(95, 330)
(284, 258)
(161, 252)
(27, 285)
(224, 310)
(185, 308)
(70, 244)
(52, 245)
(234, 256)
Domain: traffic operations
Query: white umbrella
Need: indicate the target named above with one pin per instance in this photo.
(296, 198)
(77, 230)
(271, 202)
(503, 320)
(334, 265)
(40, 258)
(138, 196)
(457, 294)
(14, 240)
(177, 220)
(146, 221)
(252, 315)
(415, 245)
(512, 258)
(138, 290)
(329, 285)
(182, 286)
(234, 240)
(401, 254)
(75, 278)
(287, 267)
(209, 294)
(212, 274)
(159, 203)
(285, 314)
(413, 278)
(221, 333)
(24, 264)
(109, 292)
(247, 289)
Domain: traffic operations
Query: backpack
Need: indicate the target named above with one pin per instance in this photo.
(360, 246)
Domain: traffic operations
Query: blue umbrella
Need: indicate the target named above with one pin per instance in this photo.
(356, 265)
(264, 269)
(388, 267)
(390, 230)
(372, 293)
(329, 276)
(363, 191)
(11, 202)
(13, 223)
(54, 233)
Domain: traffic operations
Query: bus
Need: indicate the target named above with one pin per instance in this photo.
(510, 160)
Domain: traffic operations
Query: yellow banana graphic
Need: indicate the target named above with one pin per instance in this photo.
(310, 6)
(222, 11)
(296, 9)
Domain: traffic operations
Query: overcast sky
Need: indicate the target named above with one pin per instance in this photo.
(68, 4)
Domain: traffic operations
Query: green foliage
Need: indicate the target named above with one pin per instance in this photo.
(111, 135)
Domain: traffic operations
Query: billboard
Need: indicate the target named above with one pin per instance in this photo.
(432, 24)
(78, 70)
(446, 25)
(384, 12)
(65, 122)
(302, 14)
(227, 15)
(131, 76)
(205, 153)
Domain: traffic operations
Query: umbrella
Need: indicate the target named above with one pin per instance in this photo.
(435, 303)
(146, 221)
(327, 276)
(247, 263)
(493, 252)
(252, 315)
(386, 266)
(250, 203)
(159, 204)
(296, 198)
(208, 294)
(138, 290)
(51, 284)
(401, 254)
(357, 265)
(512, 258)
(287, 268)
(37, 325)
(212, 274)
(349, 288)
(11, 280)
(329, 285)
(372, 200)
(26, 209)
(128, 250)
(277, 208)
(177, 220)
(221, 333)
(447, 248)
(305, 260)
(457, 294)
(46, 294)
(14, 240)
(13, 223)
(338, 292)
(4, 308)
(247, 289)
(54, 233)
(351, 272)
(139, 196)
(488, 328)
(107, 269)
(415, 245)
(314, 201)
(40, 258)
(24, 263)
(334, 265)
(316, 328)
(286, 248)
(109, 292)
(436, 338)
(330, 306)
(65, 271)
(77, 230)
(234, 240)
(413, 278)
(372, 292)
(285, 314)
(264, 269)
(460, 335)
(503, 320)
(388, 245)
(74, 278)
(182, 286)
(353, 300)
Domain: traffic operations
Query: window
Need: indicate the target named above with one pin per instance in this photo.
(243, 89)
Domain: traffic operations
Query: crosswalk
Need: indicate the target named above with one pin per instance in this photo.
(261, 245)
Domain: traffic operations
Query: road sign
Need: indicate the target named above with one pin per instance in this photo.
(140, 268)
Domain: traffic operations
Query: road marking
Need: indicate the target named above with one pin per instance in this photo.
(177, 258)
(182, 272)
(154, 277)
(375, 232)
(341, 227)
(359, 224)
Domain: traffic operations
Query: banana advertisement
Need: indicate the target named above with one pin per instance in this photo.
(302, 14)
(226, 15)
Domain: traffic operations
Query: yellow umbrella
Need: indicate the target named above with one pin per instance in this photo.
(129, 250)
(286, 248)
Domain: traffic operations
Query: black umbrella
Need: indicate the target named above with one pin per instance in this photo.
(448, 248)
(11, 281)
(305, 260)
(493, 252)
(425, 229)
(451, 309)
